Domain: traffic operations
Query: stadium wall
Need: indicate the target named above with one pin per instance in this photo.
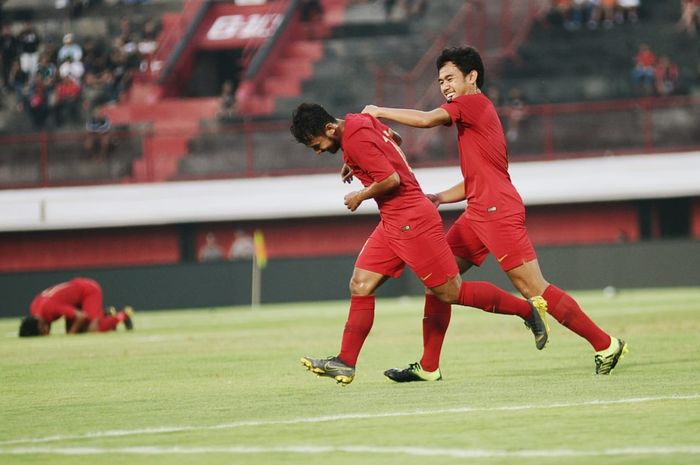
(666, 263)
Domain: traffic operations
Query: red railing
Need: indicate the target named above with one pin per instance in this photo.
(172, 36)
(255, 148)
(495, 28)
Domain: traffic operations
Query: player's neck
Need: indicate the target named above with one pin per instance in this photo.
(341, 128)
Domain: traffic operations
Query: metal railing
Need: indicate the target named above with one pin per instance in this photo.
(262, 148)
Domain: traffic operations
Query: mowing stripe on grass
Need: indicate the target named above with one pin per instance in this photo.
(314, 449)
(342, 417)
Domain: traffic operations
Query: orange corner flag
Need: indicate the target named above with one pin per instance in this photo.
(260, 249)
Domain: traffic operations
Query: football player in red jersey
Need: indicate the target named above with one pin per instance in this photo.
(80, 302)
(494, 220)
(409, 233)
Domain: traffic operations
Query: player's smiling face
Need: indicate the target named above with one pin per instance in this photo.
(453, 83)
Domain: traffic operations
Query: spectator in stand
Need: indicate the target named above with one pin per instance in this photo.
(629, 10)
(126, 39)
(559, 12)
(310, 10)
(94, 57)
(643, 72)
(28, 41)
(80, 302)
(67, 103)
(8, 54)
(36, 102)
(211, 251)
(69, 49)
(147, 44)
(148, 41)
(71, 68)
(690, 16)
(123, 66)
(18, 80)
(94, 91)
(242, 247)
(310, 14)
(603, 11)
(47, 71)
(227, 104)
(73, 7)
(666, 77)
(98, 140)
(580, 14)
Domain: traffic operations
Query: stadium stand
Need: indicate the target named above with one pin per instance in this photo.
(573, 84)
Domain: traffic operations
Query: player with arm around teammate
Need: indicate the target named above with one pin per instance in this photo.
(409, 233)
(494, 221)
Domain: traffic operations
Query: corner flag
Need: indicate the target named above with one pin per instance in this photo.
(260, 250)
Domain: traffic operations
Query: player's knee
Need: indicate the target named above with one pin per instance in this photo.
(360, 287)
(448, 292)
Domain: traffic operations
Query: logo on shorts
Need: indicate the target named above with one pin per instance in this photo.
(501, 258)
(426, 277)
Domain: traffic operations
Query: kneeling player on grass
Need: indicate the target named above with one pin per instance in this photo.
(409, 233)
(79, 302)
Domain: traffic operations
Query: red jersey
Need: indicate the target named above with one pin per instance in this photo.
(484, 159)
(373, 156)
(62, 299)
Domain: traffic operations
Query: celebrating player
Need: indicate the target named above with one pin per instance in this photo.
(79, 302)
(409, 233)
(494, 220)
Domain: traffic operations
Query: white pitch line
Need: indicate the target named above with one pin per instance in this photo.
(342, 417)
(357, 449)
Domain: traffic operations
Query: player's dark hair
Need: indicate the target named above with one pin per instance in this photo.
(466, 59)
(308, 121)
(29, 327)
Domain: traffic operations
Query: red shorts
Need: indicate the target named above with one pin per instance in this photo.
(425, 252)
(505, 238)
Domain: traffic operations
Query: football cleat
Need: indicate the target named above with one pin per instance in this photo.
(604, 364)
(537, 323)
(414, 372)
(128, 313)
(331, 367)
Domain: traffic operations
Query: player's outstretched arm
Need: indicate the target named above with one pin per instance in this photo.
(414, 118)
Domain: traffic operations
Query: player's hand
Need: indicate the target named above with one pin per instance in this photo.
(371, 110)
(353, 200)
(434, 198)
(346, 174)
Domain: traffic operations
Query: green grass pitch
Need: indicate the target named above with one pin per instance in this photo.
(225, 386)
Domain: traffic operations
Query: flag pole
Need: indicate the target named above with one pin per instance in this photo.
(256, 284)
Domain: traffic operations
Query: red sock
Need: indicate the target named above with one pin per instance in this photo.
(567, 312)
(489, 298)
(436, 319)
(107, 323)
(360, 320)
